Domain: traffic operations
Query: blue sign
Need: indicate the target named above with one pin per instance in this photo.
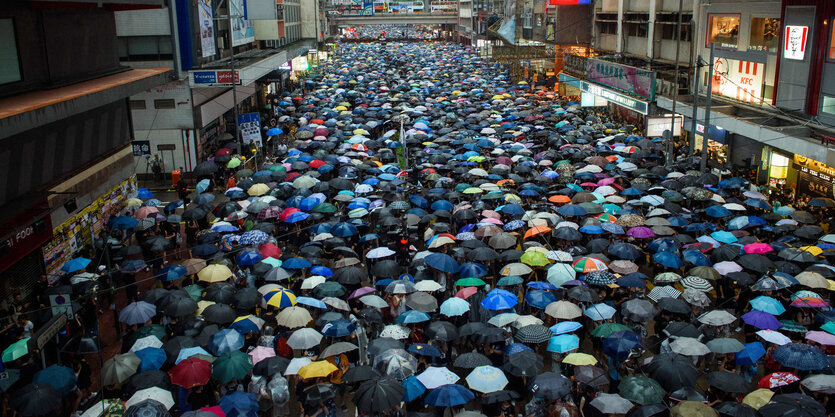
(716, 134)
(205, 77)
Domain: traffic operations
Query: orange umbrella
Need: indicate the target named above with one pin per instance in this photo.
(559, 199)
(536, 231)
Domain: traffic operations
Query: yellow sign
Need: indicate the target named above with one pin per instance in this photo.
(814, 165)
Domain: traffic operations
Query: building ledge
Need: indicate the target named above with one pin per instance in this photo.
(29, 110)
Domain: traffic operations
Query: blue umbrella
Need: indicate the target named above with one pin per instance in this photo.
(800, 356)
(312, 302)
(425, 350)
(144, 193)
(414, 388)
(418, 201)
(449, 395)
(59, 377)
(591, 230)
(563, 343)
(207, 198)
(412, 316)
(565, 327)
(768, 305)
(239, 404)
(541, 285)
(173, 272)
(668, 259)
(499, 299)
(152, 358)
(225, 341)
(618, 344)
(718, 211)
(122, 222)
(442, 262)
(572, 210)
(344, 230)
(751, 354)
(514, 348)
(338, 328)
(204, 250)
(757, 203)
(202, 186)
(695, 257)
(296, 263)
(274, 132)
(663, 245)
(297, 217)
(513, 209)
(186, 353)
(624, 250)
(539, 298)
(249, 258)
(472, 270)
(630, 281)
(76, 264)
(321, 270)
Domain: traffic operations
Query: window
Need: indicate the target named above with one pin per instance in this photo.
(765, 34)
(608, 28)
(831, 38)
(145, 48)
(9, 60)
(669, 32)
(828, 105)
(166, 103)
(723, 30)
(137, 104)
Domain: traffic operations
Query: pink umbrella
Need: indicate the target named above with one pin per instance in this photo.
(809, 302)
(823, 338)
(726, 267)
(216, 410)
(260, 353)
(588, 184)
(757, 247)
(491, 221)
(359, 292)
(640, 232)
(146, 211)
(491, 214)
(606, 181)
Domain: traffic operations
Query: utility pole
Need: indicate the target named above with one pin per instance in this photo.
(234, 76)
(670, 147)
(695, 109)
(703, 163)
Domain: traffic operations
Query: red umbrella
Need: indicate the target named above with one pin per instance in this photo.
(191, 372)
(466, 292)
(282, 348)
(216, 410)
(777, 379)
(223, 151)
(316, 163)
(270, 250)
(317, 121)
(286, 213)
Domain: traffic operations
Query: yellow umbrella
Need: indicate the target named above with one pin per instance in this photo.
(579, 359)
(693, 409)
(214, 273)
(202, 304)
(758, 398)
(134, 202)
(831, 286)
(814, 250)
(318, 369)
(258, 189)
(512, 198)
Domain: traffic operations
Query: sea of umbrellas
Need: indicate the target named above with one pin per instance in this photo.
(549, 261)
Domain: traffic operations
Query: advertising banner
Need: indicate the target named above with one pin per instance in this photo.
(814, 183)
(794, 46)
(615, 97)
(207, 27)
(628, 79)
(742, 80)
(508, 28)
(367, 8)
(242, 30)
(250, 126)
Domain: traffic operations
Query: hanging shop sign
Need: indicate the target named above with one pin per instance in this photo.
(716, 134)
(628, 79)
(575, 64)
(813, 165)
(615, 97)
(742, 80)
(215, 78)
(794, 45)
(140, 147)
(207, 27)
(243, 31)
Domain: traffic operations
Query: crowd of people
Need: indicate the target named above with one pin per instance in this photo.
(441, 241)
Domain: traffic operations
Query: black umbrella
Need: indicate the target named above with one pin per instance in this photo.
(205, 168)
(469, 329)
(755, 262)
(442, 330)
(246, 298)
(319, 393)
(673, 305)
(147, 379)
(482, 254)
(792, 405)
(190, 326)
(673, 371)
(649, 411)
(219, 313)
(471, 360)
(497, 397)
(329, 289)
(583, 294)
(736, 409)
(591, 375)
(524, 363)
(688, 394)
(174, 345)
(550, 385)
(360, 373)
(206, 333)
(378, 395)
(728, 381)
(350, 275)
(371, 315)
(382, 344)
(35, 400)
(220, 292)
(681, 329)
(490, 334)
(178, 306)
(147, 408)
(386, 269)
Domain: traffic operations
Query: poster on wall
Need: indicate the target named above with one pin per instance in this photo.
(367, 8)
(242, 30)
(207, 27)
(250, 126)
(742, 80)
(794, 46)
(508, 28)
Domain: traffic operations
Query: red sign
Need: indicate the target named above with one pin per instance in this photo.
(794, 44)
(225, 77)
(23, 233)
(567, 2)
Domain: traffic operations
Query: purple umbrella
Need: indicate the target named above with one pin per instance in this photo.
(761, 320)
(640, 232)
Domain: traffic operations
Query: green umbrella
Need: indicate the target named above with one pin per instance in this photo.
(510, 280)
(605, 329)
(119, 368)
(194, 291)
(243, 173)
(231, 366)
(324, 208)
(8, 378)
(470, 282)
(642, 390)
(278, 168)
(147, 330)
(16, 350)
(233, 163)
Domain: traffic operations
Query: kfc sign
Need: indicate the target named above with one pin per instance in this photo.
(794, 43)
(742, 80)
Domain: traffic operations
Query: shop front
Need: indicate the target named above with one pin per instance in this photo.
(717, 140)
(814, 178)
(20, 257)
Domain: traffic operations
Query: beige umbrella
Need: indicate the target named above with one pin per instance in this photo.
(811, 279)
(214, 273)
(516, 268)
(193, 265)
(294, 317)
(336, 303)
(563, 310)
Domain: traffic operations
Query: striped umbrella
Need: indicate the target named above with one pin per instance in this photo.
(280, 298)
(660, 292)
(589, 264)
(696, 283)
(535, 333)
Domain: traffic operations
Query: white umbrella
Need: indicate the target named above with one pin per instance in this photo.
(395, 332)
(312, 282)
(717, 318)
(296, 364)
(560, 273)
(427, 285)
(373, 300)
(526, 320)
(820, 383)
(146, 342)
(160, 395)
(487, 379)
(502, 320)
(433, 377)
(563, 310)
(380, 252)
(304, 338)
(611, 404)
(294, 317)
(773, 336)
(689, 346)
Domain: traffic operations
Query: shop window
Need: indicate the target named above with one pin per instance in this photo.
(778, 170)
(9, 61)
(765, 34)
(828, 105)
(723, 30)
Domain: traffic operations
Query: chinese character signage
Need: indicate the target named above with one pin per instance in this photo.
(207, 27)
(214, 78)
(141, 147)
(794, 45)
(628, 79)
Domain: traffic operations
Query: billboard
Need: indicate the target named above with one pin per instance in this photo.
(742, 80)
(628, 79)
(657, 125)
(242, 30)
(207, 27)
(794, 46)
(250, 127)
